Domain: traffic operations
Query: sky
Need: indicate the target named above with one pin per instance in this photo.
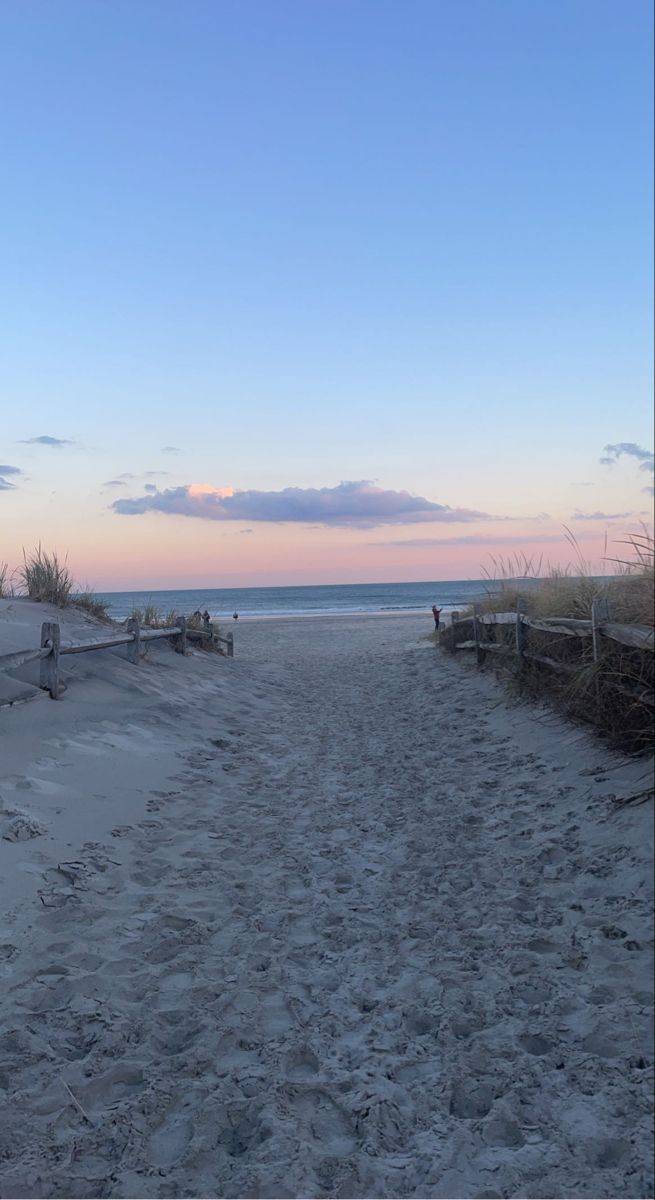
(331, 291)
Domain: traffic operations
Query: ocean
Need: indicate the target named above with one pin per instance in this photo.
(303, 601)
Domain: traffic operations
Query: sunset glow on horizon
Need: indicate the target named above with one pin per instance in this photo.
(111, 550)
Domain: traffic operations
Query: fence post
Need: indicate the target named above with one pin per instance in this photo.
(180, 642)
(230, 645)
(479, 652)
(600, 611)
(134, 648)
(521, 631)
(49, 673)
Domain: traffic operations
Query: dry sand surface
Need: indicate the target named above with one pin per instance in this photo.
(328, 919)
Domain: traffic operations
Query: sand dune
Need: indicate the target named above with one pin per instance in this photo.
(328, 919)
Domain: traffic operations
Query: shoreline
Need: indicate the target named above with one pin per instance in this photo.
(323, 616)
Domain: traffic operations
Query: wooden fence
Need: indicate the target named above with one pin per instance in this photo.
(52, 648)
(637, 637)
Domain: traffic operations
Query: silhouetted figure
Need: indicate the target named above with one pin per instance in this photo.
(436, 613)
(236, 616)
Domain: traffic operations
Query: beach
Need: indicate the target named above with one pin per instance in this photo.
(331, 918)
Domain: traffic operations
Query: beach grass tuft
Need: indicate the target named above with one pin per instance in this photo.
(46, 577)
(149, 615)
(90, 603)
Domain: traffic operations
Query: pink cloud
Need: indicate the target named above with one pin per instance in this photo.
(356, 504)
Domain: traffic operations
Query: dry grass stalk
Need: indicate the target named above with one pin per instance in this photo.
(77, 1104)
(6, 588)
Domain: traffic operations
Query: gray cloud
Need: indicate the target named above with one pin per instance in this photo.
(6, 486)
(598, 516)
(612, 454)
(171, 450)
(5, 469)
(476, 539)
(150, 487)
(127, 476)
(359, 504)
(46, 440)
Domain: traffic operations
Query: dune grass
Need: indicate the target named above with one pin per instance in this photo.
(149, 616)
(91, 604)
(46, 577)
(615, 693)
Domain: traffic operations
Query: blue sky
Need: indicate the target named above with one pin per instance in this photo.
(313, 242)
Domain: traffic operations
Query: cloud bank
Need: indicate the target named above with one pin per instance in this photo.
(46, 440)
(5, 484)
(612, 454)
(476, 539)
(352, 503)
(598, 516)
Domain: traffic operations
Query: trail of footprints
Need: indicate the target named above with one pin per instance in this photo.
(314, 978)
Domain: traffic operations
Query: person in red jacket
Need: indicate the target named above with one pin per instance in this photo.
(436, 613)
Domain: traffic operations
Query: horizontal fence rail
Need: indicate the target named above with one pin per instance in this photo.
(636, 637)
(640, 637)
(52, 648)
(10, 662)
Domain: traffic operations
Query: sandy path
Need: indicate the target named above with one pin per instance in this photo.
(376, 935)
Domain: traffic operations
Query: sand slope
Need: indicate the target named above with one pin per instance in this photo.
(329, 919)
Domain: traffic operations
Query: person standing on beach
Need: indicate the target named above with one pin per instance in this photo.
(436, 613)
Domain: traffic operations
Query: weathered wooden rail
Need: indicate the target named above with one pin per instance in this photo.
(52, 648)
(637, 637)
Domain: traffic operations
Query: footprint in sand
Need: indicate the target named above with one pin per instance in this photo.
(324, 1122)
(502, 1130)
(170, 1141)
(471, 1100)
(301, 1063)
(178, 1035)
(534, 1043)
(120, 1081)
